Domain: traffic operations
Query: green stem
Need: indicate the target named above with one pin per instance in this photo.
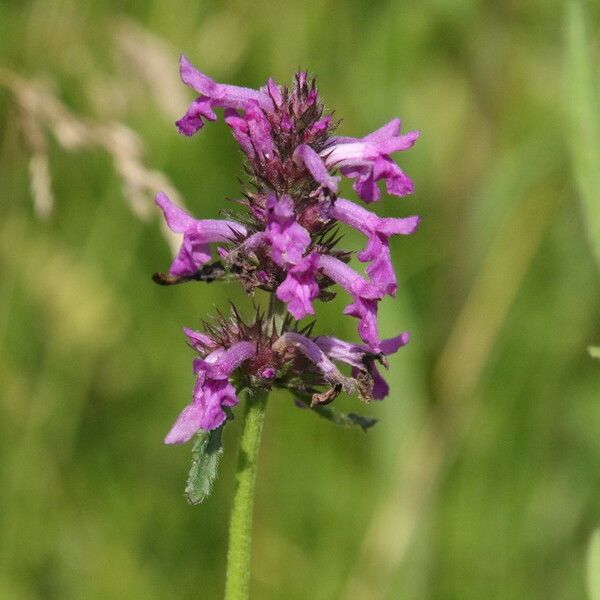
(240, 527)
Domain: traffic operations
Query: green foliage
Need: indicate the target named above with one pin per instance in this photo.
(206, 453)
(345, 419)
(340, 418)
(593, 566)
(583, 103)
(594, 351)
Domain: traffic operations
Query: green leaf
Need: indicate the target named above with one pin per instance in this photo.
(584, 113)
(345, 419)
(337, 417)
(594, 351)
(593, 566)
(205, 461)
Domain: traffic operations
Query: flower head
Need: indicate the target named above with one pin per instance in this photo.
(256, 355)
(285, 242)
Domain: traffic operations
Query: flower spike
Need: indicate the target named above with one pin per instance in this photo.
(285, 242)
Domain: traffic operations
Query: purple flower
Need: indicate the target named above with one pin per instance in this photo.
(275, 92)
(300, 287)
(285, 244)
(378, 230)
(192, 121)
(361, 357)
(200, 342)
(367, 160)
(211, 392)
(319, 126)
(315, 165)
(252, 131)
(268, 373)
(288, 239)
(365, 310)
(213, 95)
(365, 294)
(311, 350)
(197, 236)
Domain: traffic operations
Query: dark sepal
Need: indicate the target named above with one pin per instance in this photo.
(208, 273)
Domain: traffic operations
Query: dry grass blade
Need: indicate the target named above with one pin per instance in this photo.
(151, 59)
(38, 105)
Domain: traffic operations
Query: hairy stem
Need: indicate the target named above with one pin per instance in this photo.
(240, 527)
(237, 584)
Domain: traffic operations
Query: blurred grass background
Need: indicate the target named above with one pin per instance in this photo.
(482, 479)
